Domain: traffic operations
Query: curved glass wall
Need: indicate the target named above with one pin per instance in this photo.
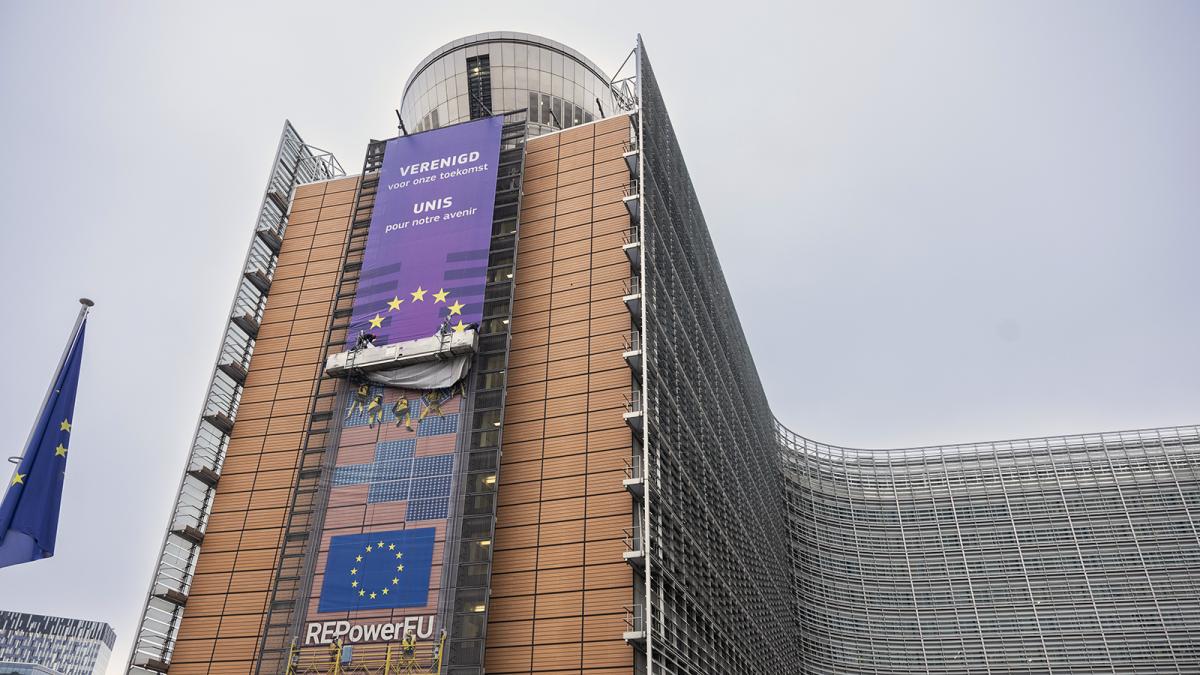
(772, 553)
(1074, 554)
(490, 73)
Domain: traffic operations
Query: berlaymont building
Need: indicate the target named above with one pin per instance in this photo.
(461, 422)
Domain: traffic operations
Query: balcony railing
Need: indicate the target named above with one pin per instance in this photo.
(633, 236)
(635, 625)
(632, 341)
(632, 467)
(633, 401)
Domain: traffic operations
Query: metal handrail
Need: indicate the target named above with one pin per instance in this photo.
(633, 235)
(632, 538)
(633, 401)
(632, 467)
(632, 340)
(635, 619)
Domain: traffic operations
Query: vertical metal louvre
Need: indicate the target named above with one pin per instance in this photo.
(719, 583)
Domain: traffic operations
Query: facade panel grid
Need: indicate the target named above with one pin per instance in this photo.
(1062, 555)
(1069, 554)
(560, 588)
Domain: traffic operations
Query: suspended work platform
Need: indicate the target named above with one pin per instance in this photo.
(438, 347)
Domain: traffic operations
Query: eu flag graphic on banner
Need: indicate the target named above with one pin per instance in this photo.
(29, 512)
(378, 570)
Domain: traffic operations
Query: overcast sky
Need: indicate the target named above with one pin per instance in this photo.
(941, 221)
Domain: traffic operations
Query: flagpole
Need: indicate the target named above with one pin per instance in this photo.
(85, 305)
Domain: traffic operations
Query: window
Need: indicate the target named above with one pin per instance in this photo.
(479, 85)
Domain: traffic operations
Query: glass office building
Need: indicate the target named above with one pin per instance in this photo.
(607, 489)
(1073, 554)
(33, 644)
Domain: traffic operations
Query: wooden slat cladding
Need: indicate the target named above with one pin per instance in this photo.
(227, 605)
(559, 586)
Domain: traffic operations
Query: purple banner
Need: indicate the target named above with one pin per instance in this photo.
(431, 229)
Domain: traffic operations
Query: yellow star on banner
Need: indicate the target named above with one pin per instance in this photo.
(60, 451)
(399, 555)
(369, 547)
(372, 596)
(19, 478)
(440, 296)
(358, 558)
(377, 321)
(65, 426)
(399, 568)
(394, 303)
(419, 294)
(385, 591)
(353, 570)
(395, 580)
(460, 327)
(354, 584)
(361, 592)
(380, 545)
(456, 308)
(391, 547)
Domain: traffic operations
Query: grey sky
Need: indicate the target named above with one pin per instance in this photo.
(941, 221)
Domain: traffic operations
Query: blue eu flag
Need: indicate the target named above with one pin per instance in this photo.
(29, 512)
(378, 570)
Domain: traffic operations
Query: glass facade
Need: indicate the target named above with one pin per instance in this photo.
(1068, 555)
(34, 644)
(491, 73)
(1074, 554)
(715, 594)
